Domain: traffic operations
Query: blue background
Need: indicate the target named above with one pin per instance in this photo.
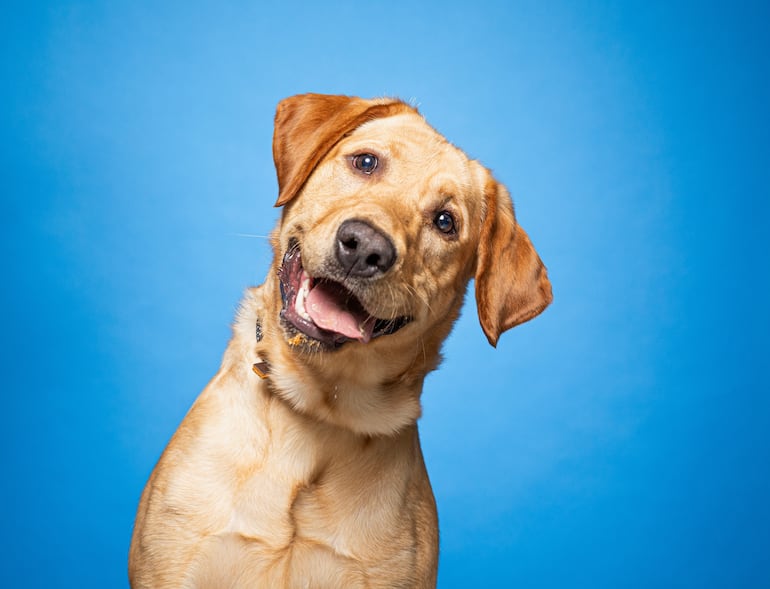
(618, 440)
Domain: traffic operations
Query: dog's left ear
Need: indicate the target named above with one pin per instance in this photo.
(512, 284)
(307, 126)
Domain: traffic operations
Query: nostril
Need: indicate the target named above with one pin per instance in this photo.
(373, 260)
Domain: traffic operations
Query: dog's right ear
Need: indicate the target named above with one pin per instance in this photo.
(307, 126)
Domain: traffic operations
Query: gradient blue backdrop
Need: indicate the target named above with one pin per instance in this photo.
(619, 440)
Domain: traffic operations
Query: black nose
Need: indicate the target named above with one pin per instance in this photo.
(362, 250)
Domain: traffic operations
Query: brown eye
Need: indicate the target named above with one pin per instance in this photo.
(365, 162)
(445, 223)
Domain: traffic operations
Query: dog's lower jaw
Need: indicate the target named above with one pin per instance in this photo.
(351, 392)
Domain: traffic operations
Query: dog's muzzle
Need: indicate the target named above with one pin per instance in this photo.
(325, 310)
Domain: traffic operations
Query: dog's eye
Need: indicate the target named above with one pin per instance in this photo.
(444, 222)
(366, 162)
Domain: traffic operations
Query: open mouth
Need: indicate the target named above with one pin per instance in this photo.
(324, 310)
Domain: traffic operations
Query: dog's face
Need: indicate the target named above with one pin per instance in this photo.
(382, 236)
(385, 222)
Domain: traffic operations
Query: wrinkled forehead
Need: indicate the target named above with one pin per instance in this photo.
(410, 140)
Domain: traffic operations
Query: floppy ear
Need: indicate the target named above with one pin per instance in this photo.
(307, 126)
(512, 284)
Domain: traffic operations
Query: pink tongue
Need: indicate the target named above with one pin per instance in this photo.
(325, 308)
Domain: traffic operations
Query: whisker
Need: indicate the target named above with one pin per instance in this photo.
(423, 299)
(248, 235)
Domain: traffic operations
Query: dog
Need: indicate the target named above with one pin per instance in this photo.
(300, 465)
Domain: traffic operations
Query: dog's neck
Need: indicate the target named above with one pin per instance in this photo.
(371, 389)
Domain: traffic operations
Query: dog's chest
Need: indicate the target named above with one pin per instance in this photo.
(300, 506)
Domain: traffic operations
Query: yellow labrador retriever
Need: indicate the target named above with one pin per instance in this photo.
(300, 465)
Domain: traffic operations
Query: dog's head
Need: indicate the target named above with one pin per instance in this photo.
(384, 224)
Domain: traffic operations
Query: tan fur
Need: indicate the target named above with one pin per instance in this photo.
(314, 477)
